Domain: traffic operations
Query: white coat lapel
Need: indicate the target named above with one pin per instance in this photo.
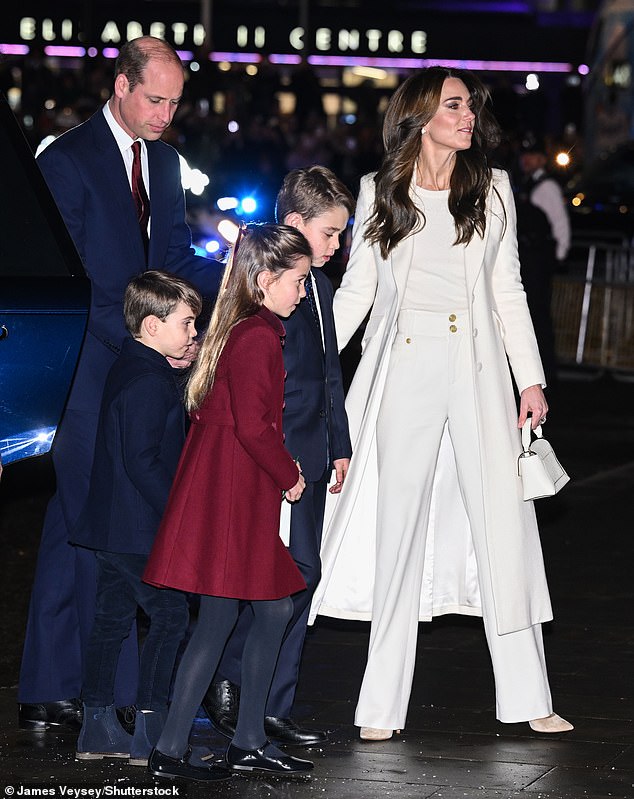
(400, 262)
(475, 252)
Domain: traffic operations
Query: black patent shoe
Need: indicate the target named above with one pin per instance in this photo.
(286, 731)
(67, 713)
(221, 703)
(161, 765)
(258, 760)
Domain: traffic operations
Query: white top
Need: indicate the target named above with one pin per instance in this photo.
(436, 279)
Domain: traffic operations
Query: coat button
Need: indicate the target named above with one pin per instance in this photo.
(453, 328)
(322, 414)
(475, 332)
(408, 341)
(452, 317)
(479, 366)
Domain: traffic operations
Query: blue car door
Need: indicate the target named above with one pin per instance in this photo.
(44, 300)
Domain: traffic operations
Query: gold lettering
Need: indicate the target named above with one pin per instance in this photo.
(27, 28)
(395, 42)
(242, 36)
(296, 38)
(157, 29)
(133, 30)
(348, 40)
(199, 35)
(179, 29)
(374, 37)
(419, 42)
(48, 33)
(110, 33)
(323, 38)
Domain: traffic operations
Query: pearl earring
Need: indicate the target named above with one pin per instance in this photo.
(423, 131)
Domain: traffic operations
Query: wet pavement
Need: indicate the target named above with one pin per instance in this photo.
(452, 747)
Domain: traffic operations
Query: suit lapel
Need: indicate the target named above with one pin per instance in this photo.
(306, 313)
(113, 173)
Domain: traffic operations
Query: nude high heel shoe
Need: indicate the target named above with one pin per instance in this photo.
(552, 723)
(376, 734)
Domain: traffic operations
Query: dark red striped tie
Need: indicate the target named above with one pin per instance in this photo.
(139, 194)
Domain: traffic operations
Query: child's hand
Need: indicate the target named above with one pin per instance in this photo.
(341, 470)
(294, 493)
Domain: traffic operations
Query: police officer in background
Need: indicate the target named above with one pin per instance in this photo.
(543, 234)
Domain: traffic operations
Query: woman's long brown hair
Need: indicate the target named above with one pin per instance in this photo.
(395, 215)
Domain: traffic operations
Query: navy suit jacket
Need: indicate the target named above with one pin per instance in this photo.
(314, 421)
(87, 177)
(140, 436)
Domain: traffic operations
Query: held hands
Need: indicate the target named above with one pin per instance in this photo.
(187, 360)
(294, 493)
(341, 470)
(533, 401)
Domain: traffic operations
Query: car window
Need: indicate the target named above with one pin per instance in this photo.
(33, 238)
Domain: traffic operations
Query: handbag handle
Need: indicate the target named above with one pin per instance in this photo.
(526, 435)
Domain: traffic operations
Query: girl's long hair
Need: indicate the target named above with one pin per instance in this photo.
(258, 248)
(395, 215)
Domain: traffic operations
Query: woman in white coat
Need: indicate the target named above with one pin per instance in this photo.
(431, 519)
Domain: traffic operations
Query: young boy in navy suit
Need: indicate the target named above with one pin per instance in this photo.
(316, 433)
(139, 439)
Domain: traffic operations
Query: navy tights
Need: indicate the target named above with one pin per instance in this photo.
(216, 619)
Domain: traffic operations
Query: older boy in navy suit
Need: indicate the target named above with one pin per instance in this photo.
(316, 433)
(140, 435)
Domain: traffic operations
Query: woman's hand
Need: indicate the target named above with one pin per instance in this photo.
(533, 401)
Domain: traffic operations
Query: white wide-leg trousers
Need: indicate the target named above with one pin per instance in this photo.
(429, 385)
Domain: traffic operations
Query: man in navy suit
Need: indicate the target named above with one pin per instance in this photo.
(316, 433)
(91, 171)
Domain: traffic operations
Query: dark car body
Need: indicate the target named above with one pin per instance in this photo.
(601, 198)
(44, 300)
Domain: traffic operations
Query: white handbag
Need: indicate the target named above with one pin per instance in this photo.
(538, 467)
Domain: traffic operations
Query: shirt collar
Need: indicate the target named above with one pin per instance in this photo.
(124, 142)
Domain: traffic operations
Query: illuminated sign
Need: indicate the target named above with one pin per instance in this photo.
(283, 33)
(256, 37)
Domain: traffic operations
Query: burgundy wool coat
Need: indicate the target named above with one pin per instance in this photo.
(220, 531)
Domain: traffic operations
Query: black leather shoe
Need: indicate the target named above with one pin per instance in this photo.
(221, 706)
(286, 731)
(127, 717)
(257, 760)
(67, 713)
(161, 765)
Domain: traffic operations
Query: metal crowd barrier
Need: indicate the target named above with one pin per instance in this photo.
(593, 304)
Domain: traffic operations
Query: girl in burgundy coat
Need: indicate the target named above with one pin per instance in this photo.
(219, 537)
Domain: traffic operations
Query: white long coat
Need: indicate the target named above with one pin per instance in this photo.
(501, 326)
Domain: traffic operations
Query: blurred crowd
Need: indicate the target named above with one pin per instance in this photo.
(235, 126)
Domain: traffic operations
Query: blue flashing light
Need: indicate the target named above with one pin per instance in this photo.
(248, 205)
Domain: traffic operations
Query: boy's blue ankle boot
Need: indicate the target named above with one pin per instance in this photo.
(148, 726)
(102, 735)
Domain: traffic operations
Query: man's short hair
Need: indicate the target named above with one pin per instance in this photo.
(135, 55)
(310, 192)
(154, 293)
